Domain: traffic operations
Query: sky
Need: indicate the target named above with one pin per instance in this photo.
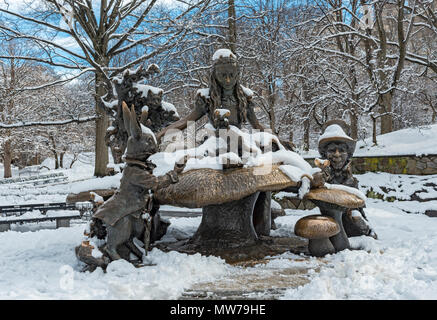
(61, 39)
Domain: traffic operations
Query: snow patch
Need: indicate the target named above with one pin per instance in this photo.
(145, 89)
(167, 106)
(248, 92)
(223, 53)
(146, 130)
(203, 92)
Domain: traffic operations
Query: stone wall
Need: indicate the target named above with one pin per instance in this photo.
(416, 165)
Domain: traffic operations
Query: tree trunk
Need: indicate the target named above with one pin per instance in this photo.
(61, 159)
(374, 131)
(291, 138)
(7, 159)
(53, 148)
(272, 101)
(232, 26)
(354, 125)
(386, 110)
(75, 156)
(306, 134)
(102, 122)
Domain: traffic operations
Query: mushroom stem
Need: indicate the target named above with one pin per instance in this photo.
(320, 247)
(340, 241)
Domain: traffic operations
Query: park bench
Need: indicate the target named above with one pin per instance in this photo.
(31, 171)
(14, 213)
(46, 178)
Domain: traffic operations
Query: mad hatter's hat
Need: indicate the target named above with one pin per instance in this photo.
(336, 131)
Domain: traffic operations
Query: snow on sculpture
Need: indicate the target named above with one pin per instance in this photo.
(131, 212)
(231, 174)
(147, 100)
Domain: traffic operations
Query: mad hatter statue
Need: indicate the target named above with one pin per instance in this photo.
(337, 147)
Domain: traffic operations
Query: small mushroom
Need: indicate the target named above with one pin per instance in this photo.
(318, 229)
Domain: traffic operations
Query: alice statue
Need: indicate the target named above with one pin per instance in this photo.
(224, 92)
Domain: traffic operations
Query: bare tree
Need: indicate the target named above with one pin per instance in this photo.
(100, 33)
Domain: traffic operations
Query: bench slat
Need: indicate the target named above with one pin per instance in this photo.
(39, 219)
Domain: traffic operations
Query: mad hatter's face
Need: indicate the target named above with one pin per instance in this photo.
(336, 153)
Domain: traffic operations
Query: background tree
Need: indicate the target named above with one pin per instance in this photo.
(100, 32)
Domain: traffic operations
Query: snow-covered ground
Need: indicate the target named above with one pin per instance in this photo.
(38, 261)
(401, 264)
(412, 141)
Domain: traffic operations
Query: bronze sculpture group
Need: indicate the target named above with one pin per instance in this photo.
(236, 209)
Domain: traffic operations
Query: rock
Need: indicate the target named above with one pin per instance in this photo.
(429, 171)
(431, 213)
(420, 164)
(411, 166)
(432, 165)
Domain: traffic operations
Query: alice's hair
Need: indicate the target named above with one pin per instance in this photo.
(215, 91)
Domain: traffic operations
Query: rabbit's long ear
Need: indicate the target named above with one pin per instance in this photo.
(126, 118)
(134, 124)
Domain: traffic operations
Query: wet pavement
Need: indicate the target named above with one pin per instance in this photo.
(254, 280)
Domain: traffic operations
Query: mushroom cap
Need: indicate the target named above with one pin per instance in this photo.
(335, 196)
(316, 227)
(202, 187)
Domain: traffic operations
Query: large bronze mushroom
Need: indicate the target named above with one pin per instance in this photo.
(235, 211)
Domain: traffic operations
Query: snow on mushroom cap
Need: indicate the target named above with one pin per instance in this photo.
(316, 227)
(354, 191)
(334, 131)
(223, 53)
(253, 144)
